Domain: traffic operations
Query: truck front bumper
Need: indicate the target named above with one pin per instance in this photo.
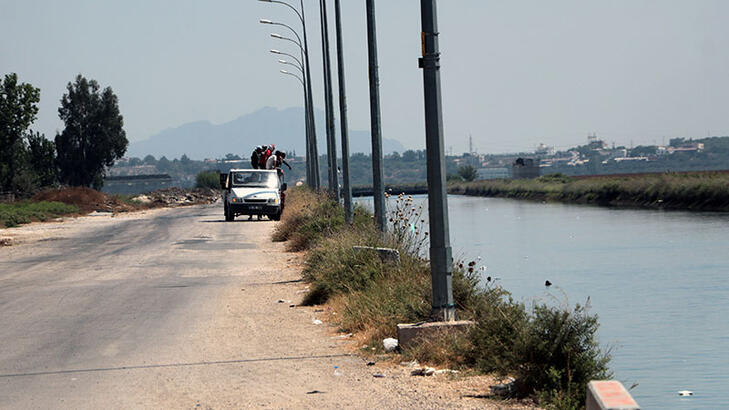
(254, 209)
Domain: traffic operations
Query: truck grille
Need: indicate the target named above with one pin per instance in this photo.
(255, 201)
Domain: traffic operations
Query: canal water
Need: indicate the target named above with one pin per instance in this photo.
(657, 280)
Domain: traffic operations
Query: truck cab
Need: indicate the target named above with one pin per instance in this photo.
(252, 192)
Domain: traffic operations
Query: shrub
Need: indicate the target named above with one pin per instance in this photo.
(309, 216)
(468, 173)
(553, 352)
(207, 179)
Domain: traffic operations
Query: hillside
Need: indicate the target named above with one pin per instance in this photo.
(202, 139)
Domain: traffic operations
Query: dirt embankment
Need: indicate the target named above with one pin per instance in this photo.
(90, 200)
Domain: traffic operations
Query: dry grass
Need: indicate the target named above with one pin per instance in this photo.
(552, 350)
(86, 199)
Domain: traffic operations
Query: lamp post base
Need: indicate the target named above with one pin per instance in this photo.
(445, 314)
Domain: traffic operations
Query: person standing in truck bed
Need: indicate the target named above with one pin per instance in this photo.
(275, 161)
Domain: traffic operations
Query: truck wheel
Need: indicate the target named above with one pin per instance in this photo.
(229, 215)
(275, 217)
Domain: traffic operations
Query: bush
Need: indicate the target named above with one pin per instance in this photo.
(310, 216)
(553, 352)
(207, 179)
(468, 173)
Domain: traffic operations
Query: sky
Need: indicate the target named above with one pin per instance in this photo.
(515, 73)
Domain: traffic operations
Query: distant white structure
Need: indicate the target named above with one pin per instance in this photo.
(543, 149)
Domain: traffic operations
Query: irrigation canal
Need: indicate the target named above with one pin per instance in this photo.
(657, 280)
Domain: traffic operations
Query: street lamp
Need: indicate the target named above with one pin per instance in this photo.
(329, 104)
(292, 65)
(312, 148)
(309, 171)
(273, 51)
(346, 187)
(280, 37)
(310, 132)
(296, 76)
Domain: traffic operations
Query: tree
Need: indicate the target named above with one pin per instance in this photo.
(409, 155)
(150, 160)
(18, 110)
(42, 159)
(467, 172)
(643, 150)
(164, 164)
(94, 136)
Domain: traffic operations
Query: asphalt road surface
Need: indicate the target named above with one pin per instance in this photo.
(176, 308)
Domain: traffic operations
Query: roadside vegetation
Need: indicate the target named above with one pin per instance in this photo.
(23, 212)
(207, 179)
(695, 191)
(55, 202)
(551, 350)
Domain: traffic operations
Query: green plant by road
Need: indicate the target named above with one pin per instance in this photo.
(16, 213)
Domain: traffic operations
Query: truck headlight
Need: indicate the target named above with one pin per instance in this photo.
(273, 201)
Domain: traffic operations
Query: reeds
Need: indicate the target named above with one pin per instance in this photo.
(704, 191)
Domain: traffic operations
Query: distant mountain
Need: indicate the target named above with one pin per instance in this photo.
(285, 128)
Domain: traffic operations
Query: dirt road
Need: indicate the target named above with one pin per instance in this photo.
(175, 308)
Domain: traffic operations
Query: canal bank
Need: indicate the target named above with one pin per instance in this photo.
(693, 191)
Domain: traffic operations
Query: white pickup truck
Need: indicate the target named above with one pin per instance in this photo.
(252, 192)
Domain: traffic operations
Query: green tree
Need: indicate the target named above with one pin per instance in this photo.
(467, 172)
(42, 159)
(94, 136)
(643, 150)
(150, 160)
(18, 110)
(164, 164)
(208, 179)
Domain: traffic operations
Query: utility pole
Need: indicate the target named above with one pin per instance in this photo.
(343, 116)
(329, 104)
(440, 247)
(307, 125)
(311, 150)
(378, 175)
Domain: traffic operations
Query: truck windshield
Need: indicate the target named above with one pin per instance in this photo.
(255, 179)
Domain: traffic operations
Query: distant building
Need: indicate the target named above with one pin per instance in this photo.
(136, 184)
(544, 150)
(493, 173)
(525, 168)
(692, 147)
(595, 143)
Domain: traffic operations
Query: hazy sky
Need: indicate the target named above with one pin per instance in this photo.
(514, 73)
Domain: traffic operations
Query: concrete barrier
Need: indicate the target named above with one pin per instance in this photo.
(386, 254)
(409, 334)
(609, 395)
